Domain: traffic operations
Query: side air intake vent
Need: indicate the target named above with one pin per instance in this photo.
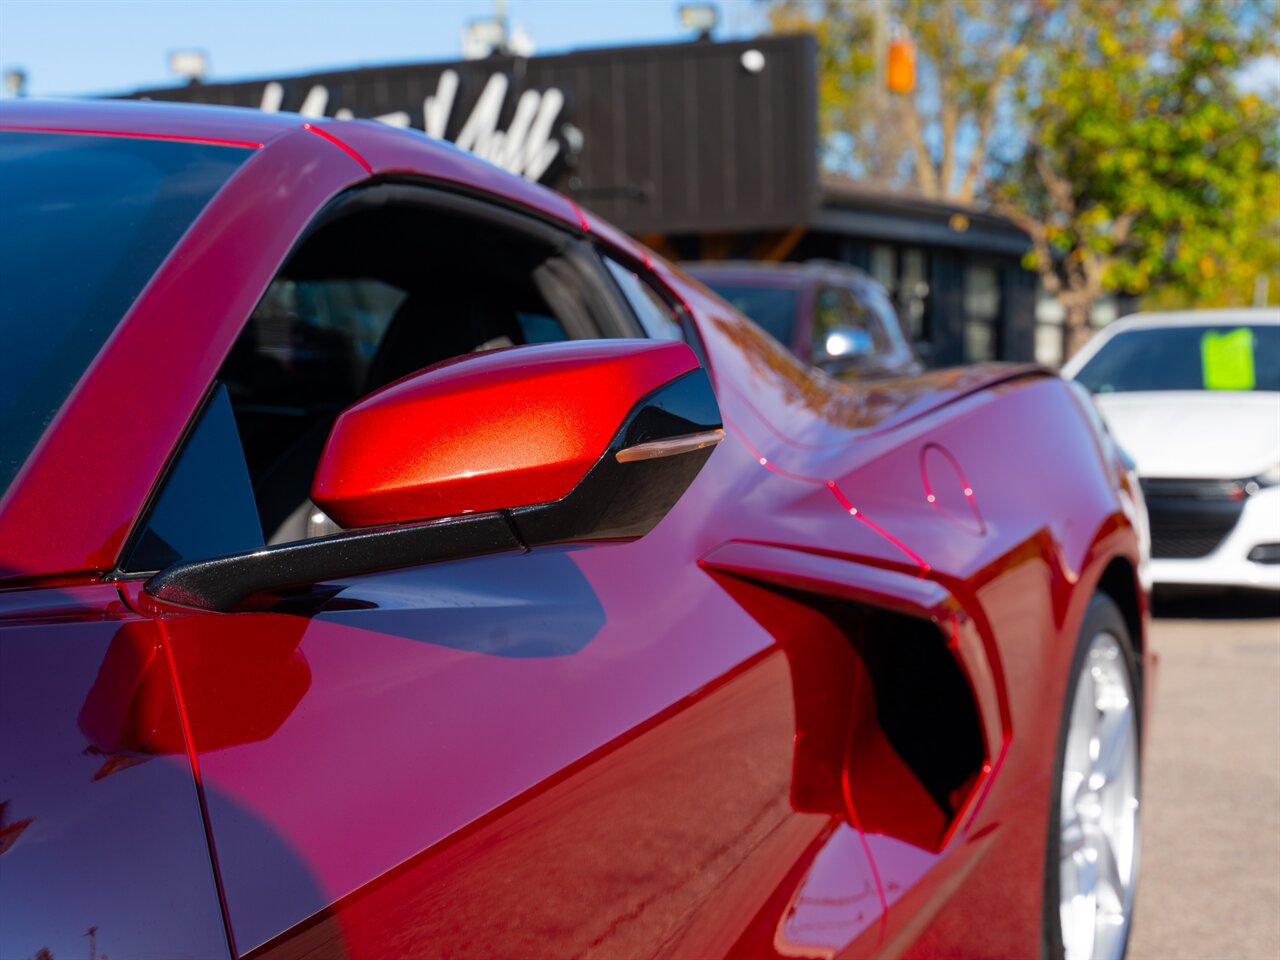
(887, 729)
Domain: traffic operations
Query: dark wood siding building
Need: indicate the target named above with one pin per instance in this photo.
(704, 151)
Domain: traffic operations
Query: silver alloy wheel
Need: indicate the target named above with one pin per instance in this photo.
(1098, 848)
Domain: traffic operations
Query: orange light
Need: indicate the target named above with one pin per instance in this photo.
(901, 76)
(657, 449)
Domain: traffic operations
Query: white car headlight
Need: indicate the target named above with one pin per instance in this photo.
(1267, 478)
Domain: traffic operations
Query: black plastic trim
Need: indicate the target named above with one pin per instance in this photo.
(616, 501)
(1265, 553)
(221, 583)
(440, 196)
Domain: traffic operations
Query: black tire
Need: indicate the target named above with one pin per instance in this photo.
(1102, 615)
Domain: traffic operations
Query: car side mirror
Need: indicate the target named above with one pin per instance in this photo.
(843, 345)
(515, 448)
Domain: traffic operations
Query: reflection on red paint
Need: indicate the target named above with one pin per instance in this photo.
(129, 710)
(834, 905)
(135, 135)
(835, 489)
(338, 143)
(938, 478)
(583, 222)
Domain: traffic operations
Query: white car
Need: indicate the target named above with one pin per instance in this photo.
(1194, 399)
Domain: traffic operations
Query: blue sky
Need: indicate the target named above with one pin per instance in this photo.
(72, 47)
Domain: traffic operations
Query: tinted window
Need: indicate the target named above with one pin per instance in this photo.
(307, 352)
(838, 307)
(830, 311)
(1186, 358)
(209, 474)
(84, 222)
(878, 303)
(378, 291)
(654, 315)
(773, 308)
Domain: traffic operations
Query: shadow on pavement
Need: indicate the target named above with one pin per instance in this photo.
(1188, 603)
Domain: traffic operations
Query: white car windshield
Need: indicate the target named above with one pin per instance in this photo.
(1209, 357)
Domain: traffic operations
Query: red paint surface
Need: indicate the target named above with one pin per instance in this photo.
(98, 820)
(337, 142)
(603, 748)
(137, 118)
(139, 136)
(500, 429)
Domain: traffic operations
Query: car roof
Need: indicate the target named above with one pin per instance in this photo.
(379, 148)
(183, 121)
(776, 274)
(1197, 318)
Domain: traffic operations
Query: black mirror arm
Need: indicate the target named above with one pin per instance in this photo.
(222, 583)
(650, 462)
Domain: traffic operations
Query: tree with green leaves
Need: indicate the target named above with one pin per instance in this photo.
(1115, 132)
(933, 138)
(1146, 166)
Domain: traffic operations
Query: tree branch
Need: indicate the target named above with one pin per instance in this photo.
(1120, 228)
(1038, 233)
(926, 175)
(949, 119)
(986, 116)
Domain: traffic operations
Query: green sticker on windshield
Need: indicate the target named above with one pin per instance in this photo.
(1227, 359)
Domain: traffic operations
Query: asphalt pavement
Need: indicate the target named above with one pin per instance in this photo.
(1210, 871)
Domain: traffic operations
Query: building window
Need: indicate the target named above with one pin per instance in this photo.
(912, 293)
(1050, 335)
(1049, 342)
(884, 266)
(981, 313)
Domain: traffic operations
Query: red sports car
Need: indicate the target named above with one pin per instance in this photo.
(396, 561)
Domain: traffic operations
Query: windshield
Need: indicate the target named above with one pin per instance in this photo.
(84, 223)
(1206, 357)
(773, 308)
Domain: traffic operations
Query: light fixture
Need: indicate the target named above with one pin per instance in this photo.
(700, 17)
(15, 82)
(481, 38)
(189, 64)
(752, 60)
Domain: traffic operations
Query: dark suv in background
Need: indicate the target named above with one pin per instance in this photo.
(830, 315)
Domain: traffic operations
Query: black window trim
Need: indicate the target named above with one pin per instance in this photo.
(646, 276)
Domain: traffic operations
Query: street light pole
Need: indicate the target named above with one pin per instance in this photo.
(879, 88)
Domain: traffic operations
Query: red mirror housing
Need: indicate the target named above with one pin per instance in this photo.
(492, 431)
(555, 443)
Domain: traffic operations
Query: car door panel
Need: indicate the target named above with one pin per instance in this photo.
(100, 824)
(438, 695)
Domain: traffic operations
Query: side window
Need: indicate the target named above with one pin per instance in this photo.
(209, 476)
(539, 328)
(876, 316)
(388, 281)
(829, 313)
(840, 308)
(305, 354)
(878, 303)
(657, 318)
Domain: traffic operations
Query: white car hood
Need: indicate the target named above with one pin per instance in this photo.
(1196, 434)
